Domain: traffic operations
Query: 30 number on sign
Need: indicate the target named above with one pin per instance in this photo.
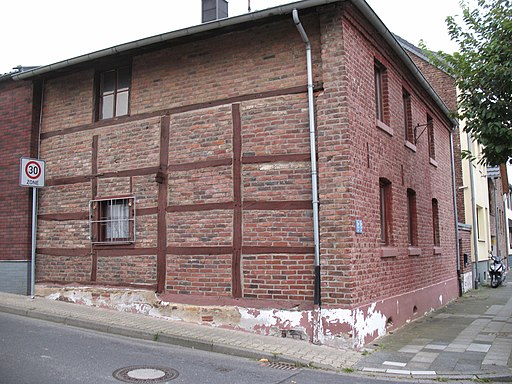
(33, 170)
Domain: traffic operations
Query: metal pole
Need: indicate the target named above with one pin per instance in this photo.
(33, 260)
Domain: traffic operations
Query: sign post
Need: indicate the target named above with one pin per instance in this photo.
(32, 173)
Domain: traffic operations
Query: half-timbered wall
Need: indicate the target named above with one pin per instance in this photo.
(216, 151)
(220, 169)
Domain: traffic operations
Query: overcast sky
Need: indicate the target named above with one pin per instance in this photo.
(37, 32)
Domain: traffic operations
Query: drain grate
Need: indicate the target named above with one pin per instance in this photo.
(145, 374)
(282, 366)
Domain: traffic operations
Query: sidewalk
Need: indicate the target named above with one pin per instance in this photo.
(469, 339)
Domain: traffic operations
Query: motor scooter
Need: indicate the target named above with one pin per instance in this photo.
(496, 271)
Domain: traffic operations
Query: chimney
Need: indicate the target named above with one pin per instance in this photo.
(214, 10)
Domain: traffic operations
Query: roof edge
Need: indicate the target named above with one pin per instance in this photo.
(370, 14)
(205, 27)
(361, 5)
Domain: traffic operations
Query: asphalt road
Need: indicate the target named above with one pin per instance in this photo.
(39, 352)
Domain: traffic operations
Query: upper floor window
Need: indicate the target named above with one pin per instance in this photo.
(409, 133)
(430, 135)
(380, 92)
(435, 223)
(114, 93)
(385, 211)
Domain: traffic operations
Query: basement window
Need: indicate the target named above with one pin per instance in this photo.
(112, 220)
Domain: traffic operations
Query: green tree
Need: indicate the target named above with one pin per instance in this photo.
(483, 71)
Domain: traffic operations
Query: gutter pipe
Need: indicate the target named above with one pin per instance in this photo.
(473, 209)
(496, 218)
(455, 214)
(312, 142)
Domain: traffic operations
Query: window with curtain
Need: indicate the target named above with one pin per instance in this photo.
(112, 220)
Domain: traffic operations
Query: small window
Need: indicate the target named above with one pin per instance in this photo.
(435, 223)
(406, 98)
(385, 211)
(430, 133)
(114, 93)
(412, 218)
(481, 223)
(380, 92)
(112, 220)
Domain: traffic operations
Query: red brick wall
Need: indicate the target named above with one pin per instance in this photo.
(354, 153)
(445, 87)
(227, 131)
(17, 138)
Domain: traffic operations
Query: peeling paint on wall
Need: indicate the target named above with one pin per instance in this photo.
(336, 327)
(273, 321)
(467, 281)
(367, 325)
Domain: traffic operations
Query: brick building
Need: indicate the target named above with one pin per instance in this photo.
(474, 248)
(181, 164)
(445, 87)
(18, 137)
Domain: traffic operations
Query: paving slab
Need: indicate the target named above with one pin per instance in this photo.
(466, 339)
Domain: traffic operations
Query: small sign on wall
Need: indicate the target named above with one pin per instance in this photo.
(359, 226)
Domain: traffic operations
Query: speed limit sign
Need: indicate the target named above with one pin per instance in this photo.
(32, 172)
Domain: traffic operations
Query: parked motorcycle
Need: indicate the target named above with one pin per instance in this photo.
(496, 271)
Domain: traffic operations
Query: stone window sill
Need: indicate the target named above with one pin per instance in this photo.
(388, 252)
(414, 251)
(411, 146)
(434, 163)
(438, 250)
(383, 126)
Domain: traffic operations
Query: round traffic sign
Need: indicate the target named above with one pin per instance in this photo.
(32, 170)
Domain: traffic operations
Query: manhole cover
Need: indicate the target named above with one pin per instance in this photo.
(145, 374)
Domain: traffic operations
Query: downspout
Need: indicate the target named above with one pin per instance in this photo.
(455, 214)
(507, 239)
(496, 218)
(473, 208)
(312, 142)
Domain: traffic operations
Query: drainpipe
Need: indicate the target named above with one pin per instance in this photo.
(496, 218)
(455, 214)
(473, 208)
(507, 239)
(312, 138)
